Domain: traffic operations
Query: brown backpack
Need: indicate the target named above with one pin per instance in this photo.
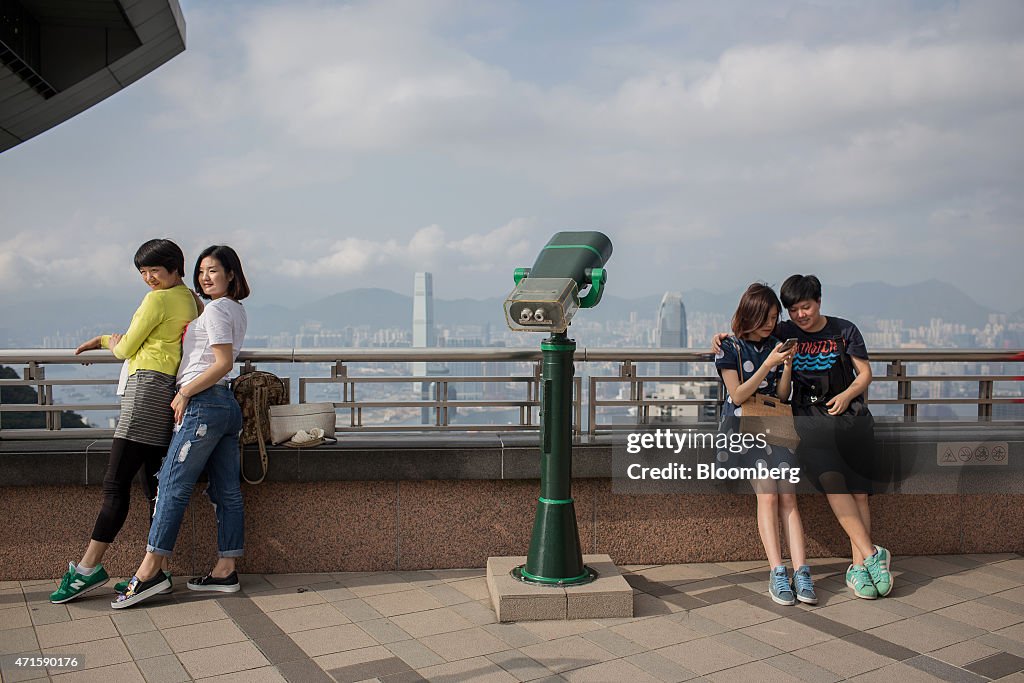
(255, 392)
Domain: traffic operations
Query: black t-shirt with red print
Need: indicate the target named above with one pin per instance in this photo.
(821, 366)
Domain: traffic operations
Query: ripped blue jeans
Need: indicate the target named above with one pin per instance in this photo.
(207, 439)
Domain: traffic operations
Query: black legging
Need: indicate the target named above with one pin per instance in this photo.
(126, 458)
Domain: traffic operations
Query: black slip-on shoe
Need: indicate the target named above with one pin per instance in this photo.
(122, 586)
(228, 584)
(138, 591)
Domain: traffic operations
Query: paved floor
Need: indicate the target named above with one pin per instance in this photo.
(953, 618)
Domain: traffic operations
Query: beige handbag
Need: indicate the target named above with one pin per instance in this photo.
(286, 420)
(767, 415)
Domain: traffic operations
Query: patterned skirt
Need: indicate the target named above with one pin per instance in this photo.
(146, 415)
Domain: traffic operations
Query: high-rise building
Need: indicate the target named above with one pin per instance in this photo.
(423, 332)
(671, 330)
(424, 336)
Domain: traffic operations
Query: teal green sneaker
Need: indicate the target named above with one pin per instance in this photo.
(878, 567)
(122, 586)
(74, 584)
(859, 581)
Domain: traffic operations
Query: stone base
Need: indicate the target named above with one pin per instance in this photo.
(609, 596)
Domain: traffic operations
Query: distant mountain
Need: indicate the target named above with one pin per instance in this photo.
(25, 322)
(915, 304)
(370, 306)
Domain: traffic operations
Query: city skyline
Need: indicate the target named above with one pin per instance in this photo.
(340, 145)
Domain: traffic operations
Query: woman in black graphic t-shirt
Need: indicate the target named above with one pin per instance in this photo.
(830, 375)
(822, 368)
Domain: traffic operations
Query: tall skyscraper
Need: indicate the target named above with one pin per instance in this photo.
(671, 330)
(424, 336)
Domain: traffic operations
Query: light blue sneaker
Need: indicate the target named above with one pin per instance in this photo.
(803, 586)
(779, 588)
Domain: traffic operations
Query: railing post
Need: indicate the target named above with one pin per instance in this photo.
(34, 373)
(53, 417)
(627, 369)
(903, 388)
(434, 396)
(592, 407)
(985, 391)
(348, 389)
(525, 410)
(443, 386)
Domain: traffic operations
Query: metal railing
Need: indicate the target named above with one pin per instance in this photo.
(622, 393)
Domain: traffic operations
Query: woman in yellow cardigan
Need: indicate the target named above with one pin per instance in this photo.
(152, 347)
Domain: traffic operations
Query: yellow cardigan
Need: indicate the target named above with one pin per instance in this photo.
(153, 340)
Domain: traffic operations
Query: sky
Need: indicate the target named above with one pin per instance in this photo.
(339, 145)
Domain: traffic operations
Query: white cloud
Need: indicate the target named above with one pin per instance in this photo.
(367, 77)
(325, 130)
(787, 88)
(384, 77)
(484, 251)
(53, 262)
(428, 248)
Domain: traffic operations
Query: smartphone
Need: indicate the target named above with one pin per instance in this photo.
(788, 344)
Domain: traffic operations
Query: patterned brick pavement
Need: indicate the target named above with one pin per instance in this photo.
(950, 618)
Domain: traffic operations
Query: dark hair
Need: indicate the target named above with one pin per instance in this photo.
(238, 288)
(754, 307)
(161, 253)
(799, 288)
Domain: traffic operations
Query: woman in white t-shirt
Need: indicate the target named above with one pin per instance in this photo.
(208, 421)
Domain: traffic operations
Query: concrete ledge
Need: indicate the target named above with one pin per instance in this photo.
(410, 525)
(436, 502)
(489, 456)
(609, 596)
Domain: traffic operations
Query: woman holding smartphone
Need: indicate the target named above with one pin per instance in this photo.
(754, 361)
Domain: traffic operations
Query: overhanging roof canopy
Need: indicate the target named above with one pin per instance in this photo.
(60, 57)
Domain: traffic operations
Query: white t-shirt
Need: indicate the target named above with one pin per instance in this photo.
(223, 321)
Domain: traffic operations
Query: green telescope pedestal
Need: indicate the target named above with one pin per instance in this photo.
(555, 558)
